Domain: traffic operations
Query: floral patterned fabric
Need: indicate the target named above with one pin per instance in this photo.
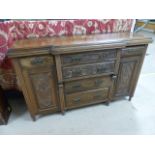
(11, 31)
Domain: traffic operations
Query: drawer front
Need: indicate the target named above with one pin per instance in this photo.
(89, 57)
(37, 61)
(86, 70)
(135, 50)
(87, 97)
(87, 84)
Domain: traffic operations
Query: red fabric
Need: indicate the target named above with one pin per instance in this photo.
(16, 30)
(3, 40)
(11, 31)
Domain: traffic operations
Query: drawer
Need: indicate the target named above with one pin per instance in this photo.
(87, 97)
(89, 57)
(87, 84)
(30, 62)
(133, 50)
(90, 69)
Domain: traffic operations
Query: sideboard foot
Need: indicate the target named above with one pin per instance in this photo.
(107, 103)
(33, 118)
(130, 98)
(63, 112)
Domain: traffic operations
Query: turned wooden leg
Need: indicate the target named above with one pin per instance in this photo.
(130, 97)
(33, 117)
(106, 103)
(63, 112)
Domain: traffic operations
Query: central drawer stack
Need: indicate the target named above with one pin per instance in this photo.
(89, 77)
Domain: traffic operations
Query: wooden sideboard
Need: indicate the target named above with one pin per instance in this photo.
(61, 73)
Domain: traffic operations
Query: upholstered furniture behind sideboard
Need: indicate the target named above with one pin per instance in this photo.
(14, 30)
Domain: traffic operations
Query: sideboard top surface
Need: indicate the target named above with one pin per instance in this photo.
(66, 43)
(78, 40)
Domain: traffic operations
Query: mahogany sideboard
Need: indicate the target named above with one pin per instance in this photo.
(60, 73)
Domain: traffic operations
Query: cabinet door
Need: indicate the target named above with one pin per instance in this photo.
(37, 77)
(128, 75)
(42, 89)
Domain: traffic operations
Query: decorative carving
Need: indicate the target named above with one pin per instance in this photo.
(89, 58)
(42, 85)
(38, 61)
(88, 84)
(124, 78)
(91, 69)
(87, 97)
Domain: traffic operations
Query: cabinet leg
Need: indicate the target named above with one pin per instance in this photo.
(130, 97)
(107, 103)
(63, 112)
(33, 117)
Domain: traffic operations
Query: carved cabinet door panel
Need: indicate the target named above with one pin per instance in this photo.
(127, 76)
(42, 88)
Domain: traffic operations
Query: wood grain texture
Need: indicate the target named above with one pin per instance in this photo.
(86, 97)
(71, 72)
(87, 84)
(60, 45)
(60, 83)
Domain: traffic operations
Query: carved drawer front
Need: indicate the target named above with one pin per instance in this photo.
(87, 97)
(89, 57)
(87, 84)
(86, 70)
(37, 61)
(134, 50)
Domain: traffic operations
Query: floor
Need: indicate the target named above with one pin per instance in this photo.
(121, 117)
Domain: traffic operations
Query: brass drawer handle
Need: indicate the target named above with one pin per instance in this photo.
(77, 58)
(77, 100)
(113, 76)
(68, 74)
(36, 61)
(77, 86)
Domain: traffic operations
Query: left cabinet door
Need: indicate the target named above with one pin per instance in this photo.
(39, 84)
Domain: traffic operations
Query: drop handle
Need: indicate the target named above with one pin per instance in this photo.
(113, 76)
(77, 100)
(77, 86)
(77, 58)
(37, 61)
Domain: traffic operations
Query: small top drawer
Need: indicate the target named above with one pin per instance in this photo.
(37, 61)
(133, 50)
(88, 57)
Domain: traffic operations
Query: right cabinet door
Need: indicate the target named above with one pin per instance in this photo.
(129, 69)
